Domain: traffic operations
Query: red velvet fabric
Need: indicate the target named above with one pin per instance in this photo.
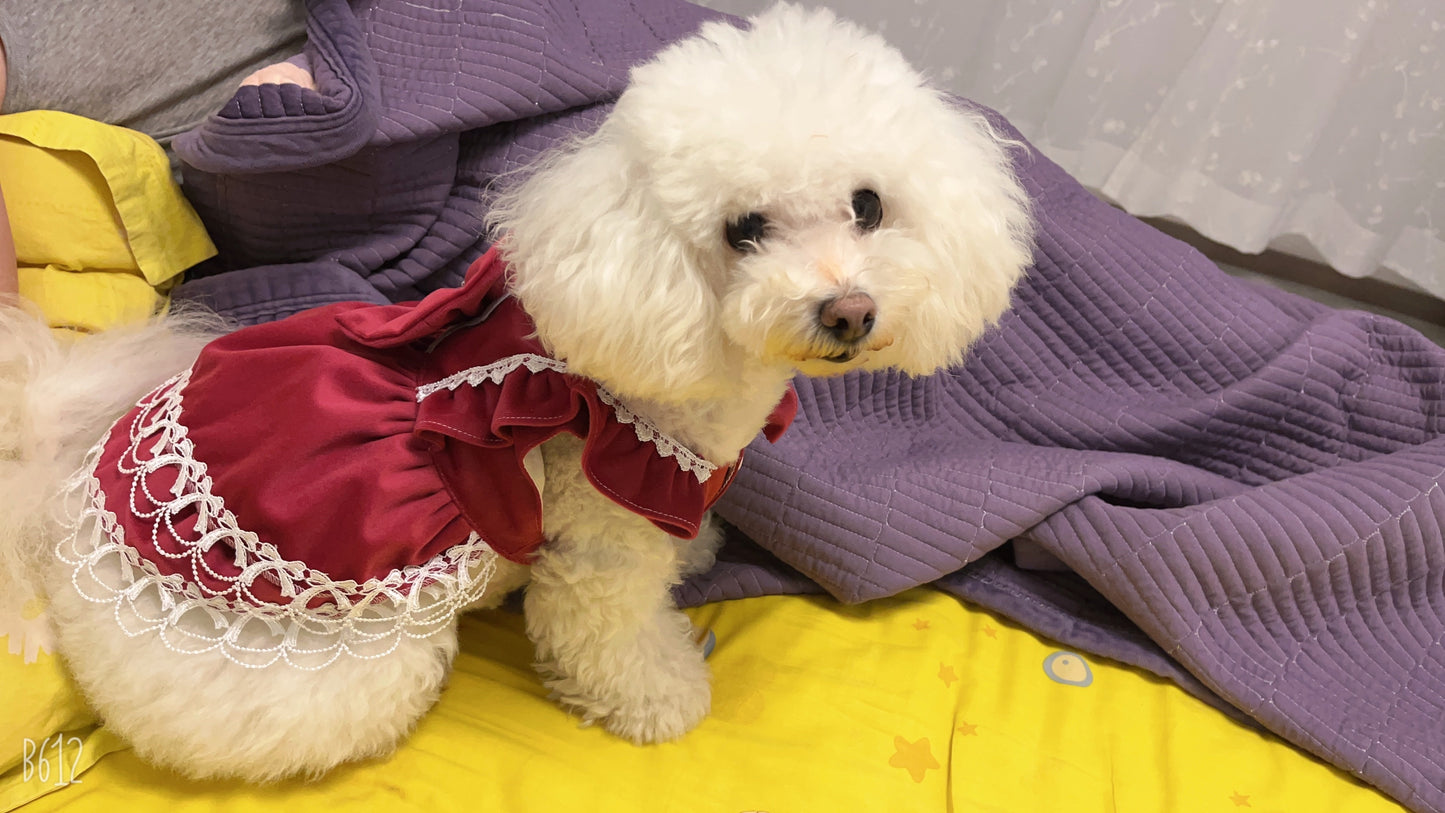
(311, 432)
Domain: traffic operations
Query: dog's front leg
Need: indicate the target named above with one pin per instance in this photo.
(610, 641)
(698, 555)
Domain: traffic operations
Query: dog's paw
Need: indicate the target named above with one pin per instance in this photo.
(666, 715)
(649, 694)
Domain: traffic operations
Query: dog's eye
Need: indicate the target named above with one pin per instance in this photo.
(867, 209)
(745, 233)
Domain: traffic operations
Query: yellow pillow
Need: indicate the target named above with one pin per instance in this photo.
(90, 300)
(101, 229)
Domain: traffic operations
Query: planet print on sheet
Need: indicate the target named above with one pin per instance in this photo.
(1068, 668)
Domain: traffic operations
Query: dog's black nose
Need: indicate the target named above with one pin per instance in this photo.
(848, 318)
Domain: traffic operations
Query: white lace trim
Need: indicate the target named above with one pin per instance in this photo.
(494, 372)
(364, 620)
(646, 431)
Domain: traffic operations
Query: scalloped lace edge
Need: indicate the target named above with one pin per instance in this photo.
(321, 620)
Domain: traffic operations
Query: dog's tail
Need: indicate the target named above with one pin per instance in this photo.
(57, 397)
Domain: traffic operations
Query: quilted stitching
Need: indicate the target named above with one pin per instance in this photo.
(382, 172)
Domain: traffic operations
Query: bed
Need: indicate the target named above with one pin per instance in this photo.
(917, 702)
(1055, 603)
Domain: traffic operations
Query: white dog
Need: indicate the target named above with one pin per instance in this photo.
(787, 197)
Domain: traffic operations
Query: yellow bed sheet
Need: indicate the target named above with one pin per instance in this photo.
(916, 703)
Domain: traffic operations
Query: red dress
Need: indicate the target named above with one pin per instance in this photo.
(349, 456)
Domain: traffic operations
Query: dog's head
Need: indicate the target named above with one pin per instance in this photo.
(792, 194)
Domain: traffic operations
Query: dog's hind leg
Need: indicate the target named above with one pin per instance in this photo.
(507, 578)
(207, 716)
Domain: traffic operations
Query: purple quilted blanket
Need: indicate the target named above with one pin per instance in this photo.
(1244, 486)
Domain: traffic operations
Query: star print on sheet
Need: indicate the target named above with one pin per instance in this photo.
(920, 624)
(990, 631)
(914, 757)
(967, 730)
(1239, 799)
(947, 675)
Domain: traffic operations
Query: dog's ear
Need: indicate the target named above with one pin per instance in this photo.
(972, 223)
(613, 288)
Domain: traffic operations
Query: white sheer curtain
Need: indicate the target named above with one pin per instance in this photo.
(1315, 126)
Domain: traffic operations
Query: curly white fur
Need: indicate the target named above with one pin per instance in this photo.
(57, 397)
(619, 252)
